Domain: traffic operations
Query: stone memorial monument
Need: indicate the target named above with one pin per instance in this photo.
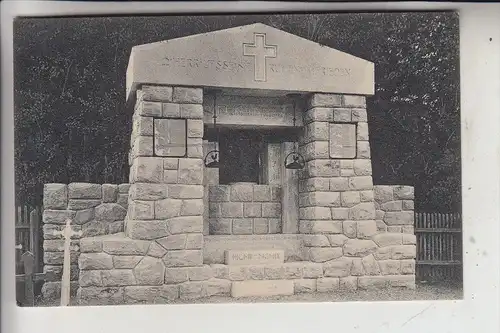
(250, 175)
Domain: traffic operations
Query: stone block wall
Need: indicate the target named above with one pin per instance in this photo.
(336, 186)
(244, 209)
(94, 209)
(164, 224)
(166, 163)
(394, 206)
(338, 210)
(117, 270)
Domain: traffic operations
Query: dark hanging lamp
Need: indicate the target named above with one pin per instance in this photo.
(297, 161)
(211, 160)
(294, 160)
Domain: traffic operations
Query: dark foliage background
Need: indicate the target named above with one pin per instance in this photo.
(72, 125)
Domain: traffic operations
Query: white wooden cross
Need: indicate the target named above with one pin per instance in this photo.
(67, 233)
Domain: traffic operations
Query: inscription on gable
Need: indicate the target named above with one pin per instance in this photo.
(219, 65)
(308, 70)
(213, 64)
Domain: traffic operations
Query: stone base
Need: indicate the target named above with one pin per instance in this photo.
(214, 286)
(115, 269)
(262, 288)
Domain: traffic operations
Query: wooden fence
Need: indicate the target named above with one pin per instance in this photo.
(439, 247)
(29, 252)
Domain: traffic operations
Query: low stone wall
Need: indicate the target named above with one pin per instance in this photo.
(244, 209)
(112, 266)
(94, 209)
(394, 206)
(114, 269)
(118, 270)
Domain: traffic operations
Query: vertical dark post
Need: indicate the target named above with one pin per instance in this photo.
(35, 238)
(29, 291)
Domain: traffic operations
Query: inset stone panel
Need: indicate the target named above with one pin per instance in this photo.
(244, 209)
(170, 137)
(342, 140)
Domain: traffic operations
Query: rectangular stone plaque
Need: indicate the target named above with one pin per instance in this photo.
(254, 257)
(170, 137)
(250, 111)
(262, 288)
(342, 140)
(215, 246)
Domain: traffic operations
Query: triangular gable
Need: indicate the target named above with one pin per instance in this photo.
(254, 56)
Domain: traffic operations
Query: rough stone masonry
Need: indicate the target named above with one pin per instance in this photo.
(148, 241)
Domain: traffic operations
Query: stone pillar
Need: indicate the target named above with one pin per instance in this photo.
(337, 204)
(320, 212)
(166, 191)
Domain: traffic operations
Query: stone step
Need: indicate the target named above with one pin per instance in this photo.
(254, 257)
(259, 288)
(283, 271)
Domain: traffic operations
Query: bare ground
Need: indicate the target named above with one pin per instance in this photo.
(422, 292)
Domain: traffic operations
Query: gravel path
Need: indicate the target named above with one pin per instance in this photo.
(423, 292)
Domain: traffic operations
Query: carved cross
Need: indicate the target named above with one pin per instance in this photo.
(260, 51)
(67, 233)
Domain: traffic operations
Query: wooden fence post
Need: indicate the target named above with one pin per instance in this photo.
(29, 258)
(29, 291)
(35, 237)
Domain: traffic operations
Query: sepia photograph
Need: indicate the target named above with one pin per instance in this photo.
(244, 158)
